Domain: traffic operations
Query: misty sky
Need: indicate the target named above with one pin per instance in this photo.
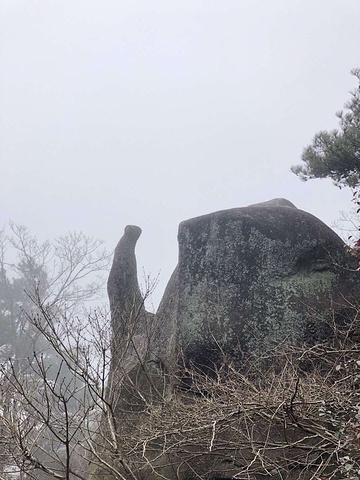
(151, 112)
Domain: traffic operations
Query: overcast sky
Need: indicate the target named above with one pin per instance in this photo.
(150, 112)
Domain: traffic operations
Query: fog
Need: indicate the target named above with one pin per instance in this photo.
(119, 112)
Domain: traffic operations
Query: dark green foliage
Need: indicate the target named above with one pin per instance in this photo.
(335, 154)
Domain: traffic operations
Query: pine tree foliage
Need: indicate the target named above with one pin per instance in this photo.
(335, 154)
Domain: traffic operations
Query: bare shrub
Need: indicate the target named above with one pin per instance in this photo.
(291, 414)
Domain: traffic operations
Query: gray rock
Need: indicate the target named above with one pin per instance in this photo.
(251, 278)
(128, 316)
(247, 279)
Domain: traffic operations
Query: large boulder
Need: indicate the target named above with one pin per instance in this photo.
(251, 278)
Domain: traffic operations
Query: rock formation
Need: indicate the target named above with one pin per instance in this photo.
(131, 324)
(250, 278)
(247, 280)
(126, 303)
